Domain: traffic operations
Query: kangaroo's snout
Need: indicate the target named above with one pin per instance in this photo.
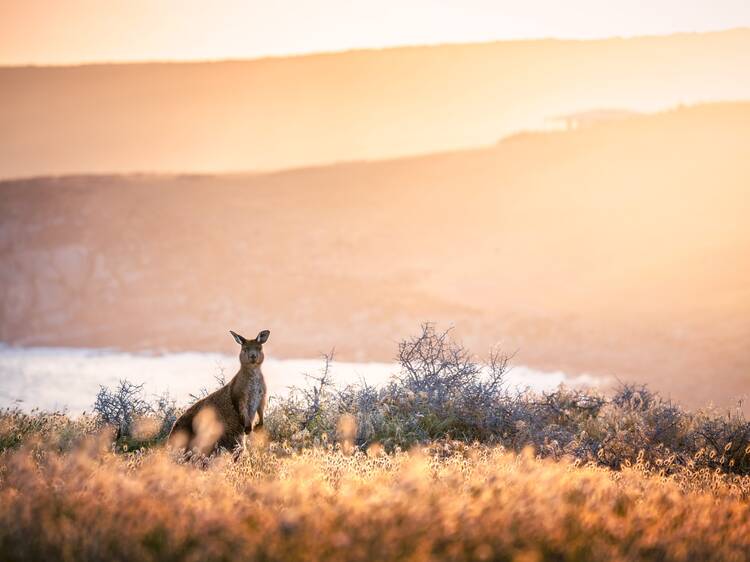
(251, 354)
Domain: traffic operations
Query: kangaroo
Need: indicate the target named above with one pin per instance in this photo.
(221, 419)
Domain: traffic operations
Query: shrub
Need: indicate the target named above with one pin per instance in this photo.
(135, 420)
(442, 391)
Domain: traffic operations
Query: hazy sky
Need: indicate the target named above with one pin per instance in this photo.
(70, 31)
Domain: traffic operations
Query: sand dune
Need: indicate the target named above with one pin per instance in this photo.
(298, 111)
(619, 249)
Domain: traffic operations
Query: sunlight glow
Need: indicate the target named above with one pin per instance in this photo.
(74, 31)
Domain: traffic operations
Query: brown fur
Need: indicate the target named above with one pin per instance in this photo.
(221, 419)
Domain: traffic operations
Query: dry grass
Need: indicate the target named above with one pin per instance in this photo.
(448, 501)
(568, 475)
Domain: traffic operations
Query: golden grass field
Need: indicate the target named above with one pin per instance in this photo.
(446, 501)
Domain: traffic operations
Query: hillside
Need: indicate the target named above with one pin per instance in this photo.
(288, 112)
(619, 249)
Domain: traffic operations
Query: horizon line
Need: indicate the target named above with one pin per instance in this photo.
(367, 49)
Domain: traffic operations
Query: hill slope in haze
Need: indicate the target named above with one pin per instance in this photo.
(288, 112)
(618, 249)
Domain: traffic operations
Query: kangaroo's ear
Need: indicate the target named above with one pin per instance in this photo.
(263, 336)
(238, 338)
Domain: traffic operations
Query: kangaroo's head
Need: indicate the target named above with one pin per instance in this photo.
(251, 353)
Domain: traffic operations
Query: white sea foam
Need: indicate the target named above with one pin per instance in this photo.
(69, 378)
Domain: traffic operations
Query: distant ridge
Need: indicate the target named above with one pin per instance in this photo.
(278, 113)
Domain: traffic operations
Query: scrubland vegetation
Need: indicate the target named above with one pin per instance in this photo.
(444, 463)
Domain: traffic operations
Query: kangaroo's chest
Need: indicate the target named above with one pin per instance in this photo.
(254, 394)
